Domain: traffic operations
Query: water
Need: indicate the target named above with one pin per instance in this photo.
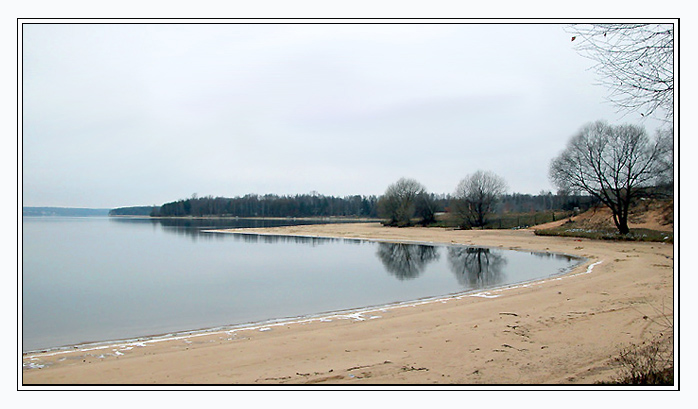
(97, 279)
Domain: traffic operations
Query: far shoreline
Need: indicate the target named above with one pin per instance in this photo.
(318, 218)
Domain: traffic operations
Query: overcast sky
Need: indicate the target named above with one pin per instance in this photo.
(121, 114)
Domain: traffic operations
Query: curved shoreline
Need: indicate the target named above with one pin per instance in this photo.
(559, 331)
(183, 334)
(320, 316)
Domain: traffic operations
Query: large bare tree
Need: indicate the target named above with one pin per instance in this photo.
(401, 201)
(476, 196)
(613, 163)
(635, 61)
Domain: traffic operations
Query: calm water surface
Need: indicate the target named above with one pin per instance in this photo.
(96, 279)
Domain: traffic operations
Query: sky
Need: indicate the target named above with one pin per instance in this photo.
(143, 114)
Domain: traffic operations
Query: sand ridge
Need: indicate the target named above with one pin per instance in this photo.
(557, 331)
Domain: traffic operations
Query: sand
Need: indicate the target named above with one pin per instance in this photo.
(556, 331)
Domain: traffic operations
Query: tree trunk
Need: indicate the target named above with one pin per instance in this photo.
(623, 226)
(620, 219)
(624, 208)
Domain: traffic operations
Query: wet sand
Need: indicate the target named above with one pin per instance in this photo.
(557, 331)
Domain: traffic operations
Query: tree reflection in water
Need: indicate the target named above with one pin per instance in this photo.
(406, 261)
(476, 267)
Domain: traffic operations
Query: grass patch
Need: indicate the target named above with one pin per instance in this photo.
(570, 230)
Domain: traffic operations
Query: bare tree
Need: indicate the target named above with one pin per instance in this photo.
(425, 208)
(398, 204)
(476, 196)
(665, 137)
(613, 163)
(635, 61)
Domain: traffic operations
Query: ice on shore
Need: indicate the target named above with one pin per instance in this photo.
(485, 295)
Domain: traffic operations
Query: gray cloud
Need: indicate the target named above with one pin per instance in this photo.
(123, 114)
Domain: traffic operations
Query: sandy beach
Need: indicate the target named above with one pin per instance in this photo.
(563, 330)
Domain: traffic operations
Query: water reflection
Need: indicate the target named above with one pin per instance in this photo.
(272, 239)
(96, 279)
(476, 267)
(193, 228)
(562, 257)
(406, 261)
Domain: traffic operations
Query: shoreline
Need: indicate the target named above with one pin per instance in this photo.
(353, 219)
(319, 316)
(248, 346)
(172, 335)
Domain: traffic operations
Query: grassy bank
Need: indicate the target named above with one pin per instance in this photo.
(509, 220)
(571, 229)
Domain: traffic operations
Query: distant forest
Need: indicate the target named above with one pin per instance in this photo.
(315, 205)
(273, 206)
(64, 211)
(134, 211)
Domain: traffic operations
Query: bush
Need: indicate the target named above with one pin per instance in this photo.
(646, 364)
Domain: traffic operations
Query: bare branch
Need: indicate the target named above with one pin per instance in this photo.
(635, 61)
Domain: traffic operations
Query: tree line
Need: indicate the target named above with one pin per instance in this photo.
(270, 205)
(316, 205)
(133, 211)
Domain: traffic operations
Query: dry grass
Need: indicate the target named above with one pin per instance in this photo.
(649, 363)
(652, 361)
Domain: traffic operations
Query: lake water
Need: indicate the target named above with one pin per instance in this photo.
(96, 279)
